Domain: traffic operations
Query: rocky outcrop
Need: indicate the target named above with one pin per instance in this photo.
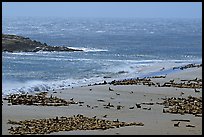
(13, 43)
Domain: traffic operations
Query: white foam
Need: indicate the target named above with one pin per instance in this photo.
(133, 67)
(122, 71)
(89, 49)
(23, 53)
(100, 31)
(37, 85)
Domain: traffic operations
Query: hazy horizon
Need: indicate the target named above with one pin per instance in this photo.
(103, 9)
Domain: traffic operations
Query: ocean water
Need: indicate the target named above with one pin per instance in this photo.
(114, 48)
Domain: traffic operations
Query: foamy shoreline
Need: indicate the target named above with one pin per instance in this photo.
(155, 121)
(11, 87)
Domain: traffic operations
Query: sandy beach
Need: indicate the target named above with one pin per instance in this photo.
(155, 121)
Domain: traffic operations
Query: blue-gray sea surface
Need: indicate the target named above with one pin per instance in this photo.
(114, 48)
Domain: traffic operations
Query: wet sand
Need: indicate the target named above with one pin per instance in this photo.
(155, 121)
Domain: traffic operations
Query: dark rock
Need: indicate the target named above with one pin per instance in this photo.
(13, 43)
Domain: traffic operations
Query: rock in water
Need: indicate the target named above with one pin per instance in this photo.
(14, 43)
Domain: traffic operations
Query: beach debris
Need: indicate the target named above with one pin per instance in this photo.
(94, 117)
(188, 66)
(158, 76)
(110, 89)
(116, 120)
(190, 105)
(158, 84)
(106, 77)
(181, 93)
(138, 105)
(101, 83)
(184, 120)
(101, 100)
(105, 116)
(190, 125)
(145, 108)
(148, 103)
(119, 107)
(109, 105)
(132, 107)
(80, 102)
(195, 83)
(198, 115)
(57, 124)
(39, 99)
(162, 68)
(137, 81)
(131, 92)
(171, 81)
(117, 93)
(197, 90)
(176, 124)
(192, 80)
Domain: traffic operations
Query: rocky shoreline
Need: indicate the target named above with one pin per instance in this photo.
(14, 43)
